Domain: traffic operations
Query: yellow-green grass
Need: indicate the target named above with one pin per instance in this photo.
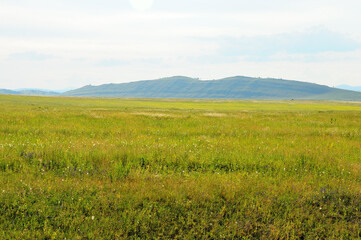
(80, 168)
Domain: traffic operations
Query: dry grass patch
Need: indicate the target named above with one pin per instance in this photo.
(155, 114)
(214, 114)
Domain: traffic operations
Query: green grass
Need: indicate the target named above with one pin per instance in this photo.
(79, 168)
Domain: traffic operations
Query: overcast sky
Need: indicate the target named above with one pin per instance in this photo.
(59, 44)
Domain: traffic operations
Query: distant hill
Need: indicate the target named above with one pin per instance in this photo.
(29, 92)
(238, 87)
(8, 92)
(348, 87)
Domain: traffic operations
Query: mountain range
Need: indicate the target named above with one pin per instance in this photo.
(29, 92)
(238, 87)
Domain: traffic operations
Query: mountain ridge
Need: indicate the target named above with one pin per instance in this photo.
(237, 87)
(29, 92)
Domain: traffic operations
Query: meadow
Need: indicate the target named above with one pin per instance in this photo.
(108, 168)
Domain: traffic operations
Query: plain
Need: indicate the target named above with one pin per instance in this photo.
(112, 168)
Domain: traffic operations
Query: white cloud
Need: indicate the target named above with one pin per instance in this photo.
(207, 39)
(29, 56)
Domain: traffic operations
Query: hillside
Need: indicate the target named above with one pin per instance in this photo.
(238, 87)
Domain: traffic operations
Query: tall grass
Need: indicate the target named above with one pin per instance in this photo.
(80, 168)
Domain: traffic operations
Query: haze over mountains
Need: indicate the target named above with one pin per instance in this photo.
(29, 92)
(238, 87)
(348, 87)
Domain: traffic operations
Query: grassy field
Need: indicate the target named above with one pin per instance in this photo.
(82, 168)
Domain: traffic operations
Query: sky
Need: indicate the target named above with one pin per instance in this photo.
(62, 44)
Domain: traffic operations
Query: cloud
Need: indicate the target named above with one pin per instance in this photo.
(348, 56)
(207, 39)
(315, 41)
(30, 56)
(111, 62)
(213, 59)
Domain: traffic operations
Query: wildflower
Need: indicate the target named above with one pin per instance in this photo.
(93, 217)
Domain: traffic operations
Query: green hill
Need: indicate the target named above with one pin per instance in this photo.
(238, 87)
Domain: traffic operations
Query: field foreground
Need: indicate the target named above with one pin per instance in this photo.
(83, 168)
